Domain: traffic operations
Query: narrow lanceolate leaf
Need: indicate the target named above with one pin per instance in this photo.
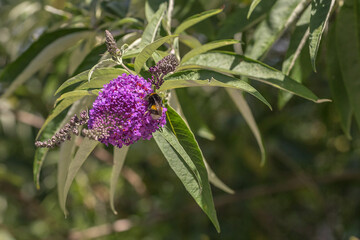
(216, 181)
(208, 78)
(337, 85)
(153, 26)
(196, 19)
(66, 152)
(202, 195)
(85, 148)
(207, 47)
(238, 22)
(119, 159)
(49, 130)
(57, 110)
(146, 53)
(185, 107)
(281, 15)
(100, 77)
(189, 41)
(174, 142)
(245, 110)
(320, 12)
(253, 5)
(39, 54)
(39, 159)
(297, 42)
(77, 93)
(239, 65)
(187, 139)
(348, 49)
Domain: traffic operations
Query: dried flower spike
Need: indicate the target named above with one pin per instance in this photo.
(111, 45)
(64, 134)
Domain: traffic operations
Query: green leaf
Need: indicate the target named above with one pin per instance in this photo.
(245, 110)
(228, 62)
(66, 153)
(42, 51)
(180, 99)
(57, 110)
(195, 19)
(91, 59)
(100, 77)
(174, 142)
(348, 49)
(150, 8)
(207, 47)
(208, 78)
(215, 180)
(202, 196)
(253, 5)
(187, 139)
(39, 158)
(146, 53)
(297, 42)
(49, 130)
(336, 82)
(270, 29)
(320, 12)
(119, 159)
(85, 148)
(77, 93)
(189, 41)
(238, 22)
(153, 26)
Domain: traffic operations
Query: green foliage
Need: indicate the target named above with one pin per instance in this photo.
(255, 40)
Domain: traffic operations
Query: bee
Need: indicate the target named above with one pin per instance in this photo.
(155, 106)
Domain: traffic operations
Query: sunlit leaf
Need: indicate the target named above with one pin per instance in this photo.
(189, 41)
(238, 21)
(39, 54)
(320, 12)
(187, 139)
(202, 195)
(153, 26)
(85, 148)
(57, 110)
(297, 42)
(207, 47)
(66, 153)
(208, 78)
(271, 28)
(100, 77)
(146, 53)
(245, 111)
(253, 5)
(239, 65)
(196, 19)
(49, 129)
(77, 93)
(119, 159)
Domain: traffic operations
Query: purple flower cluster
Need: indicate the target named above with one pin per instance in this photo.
(120, 113)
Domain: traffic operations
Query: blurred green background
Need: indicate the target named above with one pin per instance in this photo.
(309, 187)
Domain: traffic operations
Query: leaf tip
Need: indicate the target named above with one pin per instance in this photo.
(323, 100)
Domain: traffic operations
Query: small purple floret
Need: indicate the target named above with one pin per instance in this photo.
(120, 112)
